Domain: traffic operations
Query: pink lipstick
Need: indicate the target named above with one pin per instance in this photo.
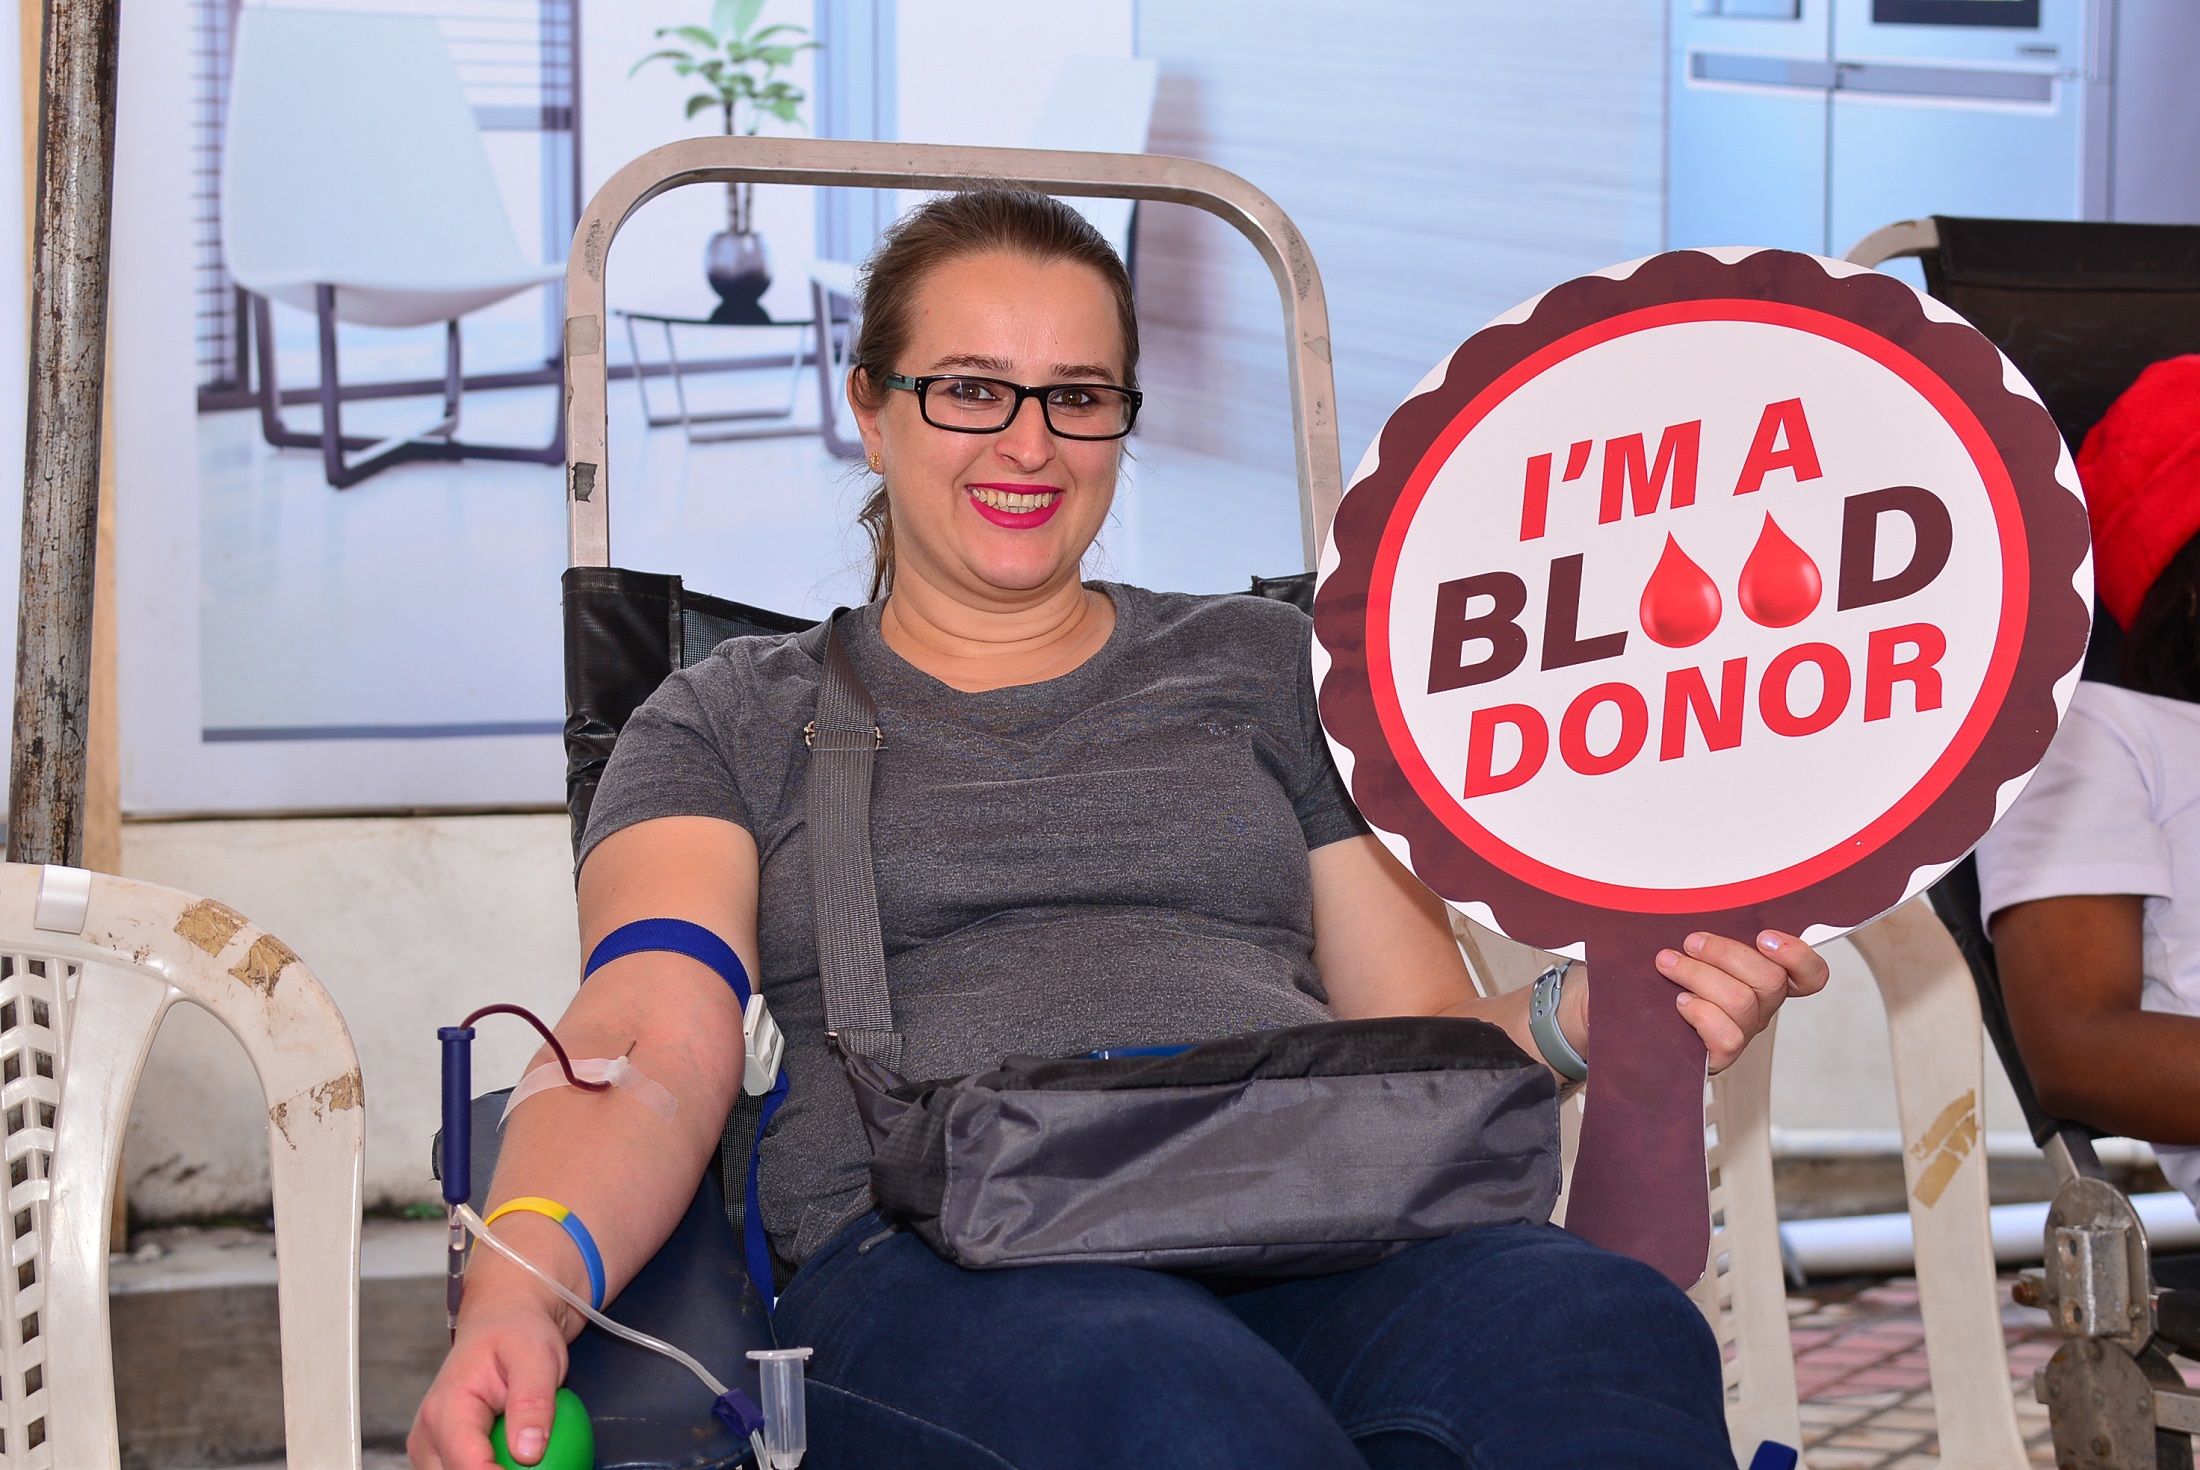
(1017, 507)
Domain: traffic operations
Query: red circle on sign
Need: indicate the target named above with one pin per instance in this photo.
(2008, 521)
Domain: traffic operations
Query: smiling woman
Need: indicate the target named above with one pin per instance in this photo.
(1101, 817)
(978, 522)
(976, 244)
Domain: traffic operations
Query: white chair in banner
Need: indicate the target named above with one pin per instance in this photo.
(355, 186)
(1100, 104)
(1743, 1293)
(88, 966)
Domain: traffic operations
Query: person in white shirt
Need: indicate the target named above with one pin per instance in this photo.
(2090, 884)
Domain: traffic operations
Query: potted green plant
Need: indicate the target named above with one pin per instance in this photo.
(738, 65)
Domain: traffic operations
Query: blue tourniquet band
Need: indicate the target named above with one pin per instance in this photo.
(683, 936)
(756, 1251)
(674, 936)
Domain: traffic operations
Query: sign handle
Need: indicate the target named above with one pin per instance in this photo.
(1639, 1186)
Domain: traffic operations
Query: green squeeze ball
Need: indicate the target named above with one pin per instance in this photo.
(572, 1442)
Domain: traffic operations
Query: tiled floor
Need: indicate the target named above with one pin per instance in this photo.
(1860, 1369)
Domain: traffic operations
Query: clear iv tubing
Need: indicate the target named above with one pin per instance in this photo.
(480, 1231)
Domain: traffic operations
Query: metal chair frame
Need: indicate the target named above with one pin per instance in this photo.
(834, 162)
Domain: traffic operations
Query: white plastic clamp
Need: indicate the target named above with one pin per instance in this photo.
(764, 1044)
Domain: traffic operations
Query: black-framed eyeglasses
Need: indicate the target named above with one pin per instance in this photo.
(964, 405)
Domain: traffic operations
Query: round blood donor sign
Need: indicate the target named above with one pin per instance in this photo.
(1724, 590)
(1739, 581)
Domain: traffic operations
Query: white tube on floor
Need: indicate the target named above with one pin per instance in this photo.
(1860, 1244)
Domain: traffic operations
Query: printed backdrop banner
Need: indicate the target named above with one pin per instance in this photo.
(1723, 590)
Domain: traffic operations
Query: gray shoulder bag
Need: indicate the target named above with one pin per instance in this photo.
(1290, 1152)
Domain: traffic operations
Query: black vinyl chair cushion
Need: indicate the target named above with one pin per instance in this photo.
(2081, 307)
(624, 632)
(649, 1412)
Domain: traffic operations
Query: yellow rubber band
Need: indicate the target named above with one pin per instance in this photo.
(530, 1204)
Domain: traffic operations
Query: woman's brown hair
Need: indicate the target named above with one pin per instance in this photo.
(975, 221)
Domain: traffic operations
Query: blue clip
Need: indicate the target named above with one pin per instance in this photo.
(1773, 1456)
(739, 1413)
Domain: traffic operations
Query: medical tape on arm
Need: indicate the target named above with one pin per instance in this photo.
(617, 1071)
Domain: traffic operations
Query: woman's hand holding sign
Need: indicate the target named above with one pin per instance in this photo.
(1384, 947)
(1730, 991)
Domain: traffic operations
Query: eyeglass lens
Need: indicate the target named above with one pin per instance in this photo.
(1073, 410)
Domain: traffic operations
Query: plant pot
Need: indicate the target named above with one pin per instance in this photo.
(739, 270)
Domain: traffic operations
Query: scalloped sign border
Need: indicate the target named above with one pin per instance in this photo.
(1894, 852)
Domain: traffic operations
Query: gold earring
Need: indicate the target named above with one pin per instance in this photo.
(876, 466)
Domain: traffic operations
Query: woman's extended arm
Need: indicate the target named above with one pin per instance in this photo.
(1384, 947)
(628, 1173)
(2071, 973)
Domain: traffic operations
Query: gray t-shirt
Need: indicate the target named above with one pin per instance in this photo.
(1117, 857)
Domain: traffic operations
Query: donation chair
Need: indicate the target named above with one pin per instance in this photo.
(355, 186)
(2082, 309)
(89, 964)
(626, 630)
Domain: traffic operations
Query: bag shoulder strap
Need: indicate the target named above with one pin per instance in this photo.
(844, 743)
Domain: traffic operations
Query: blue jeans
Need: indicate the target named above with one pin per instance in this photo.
(1503, 1348)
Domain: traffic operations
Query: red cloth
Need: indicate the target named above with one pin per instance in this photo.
(2141, 471)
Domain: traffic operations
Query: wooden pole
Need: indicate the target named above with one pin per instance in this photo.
(102, 759)
(76, 132)
(103, 752)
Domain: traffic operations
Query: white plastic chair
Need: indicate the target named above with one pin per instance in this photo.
(1743, 1293)
(1939, 1043)
(355, 186)
(88, 966)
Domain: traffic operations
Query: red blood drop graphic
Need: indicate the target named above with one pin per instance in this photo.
(1780, 584)
(1680, 606)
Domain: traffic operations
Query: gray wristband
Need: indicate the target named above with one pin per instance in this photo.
(1550, 1038)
